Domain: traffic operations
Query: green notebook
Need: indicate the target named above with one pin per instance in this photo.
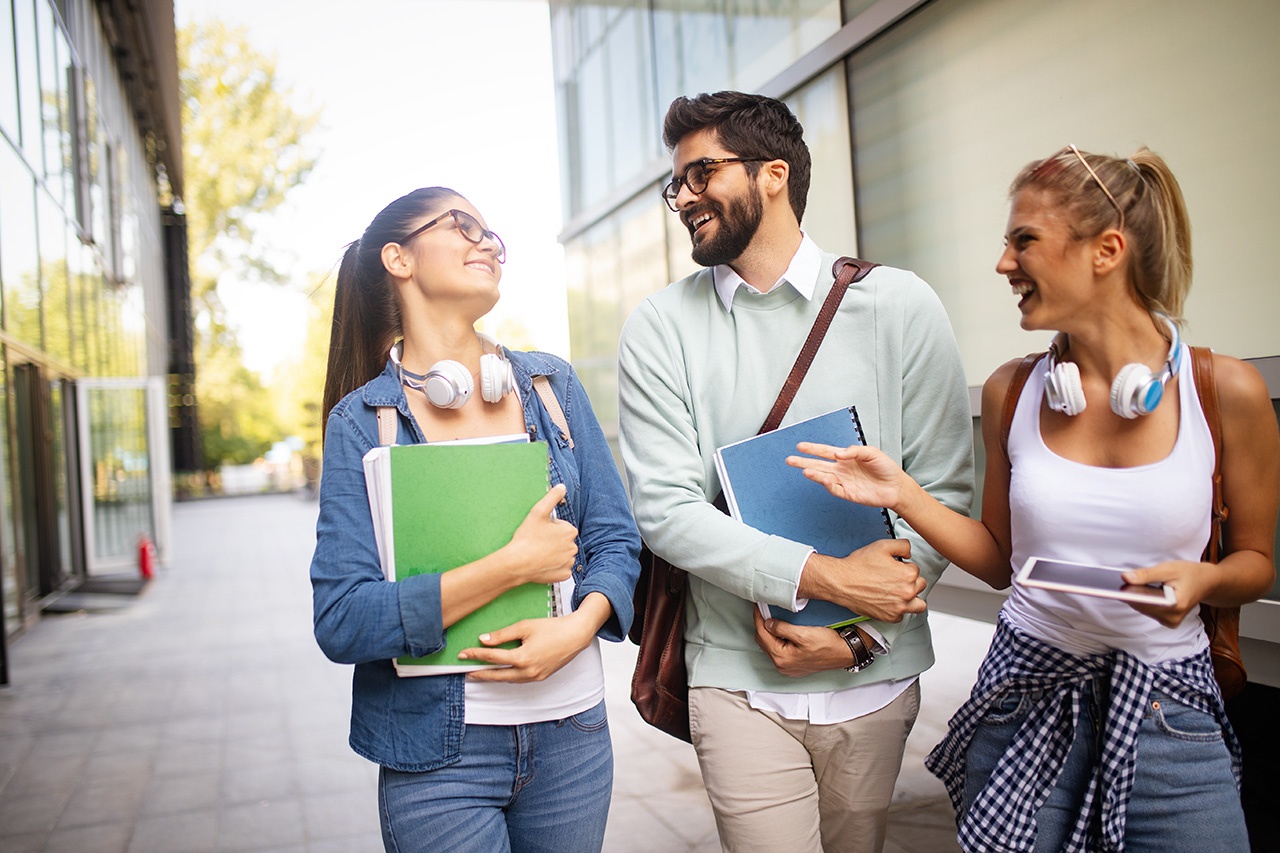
(440, 506)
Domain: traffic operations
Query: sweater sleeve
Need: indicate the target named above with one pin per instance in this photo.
(670, 493)
(937, 425)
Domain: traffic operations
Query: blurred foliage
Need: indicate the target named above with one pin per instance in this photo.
(300, 380)
(237, 414)
(245, 146)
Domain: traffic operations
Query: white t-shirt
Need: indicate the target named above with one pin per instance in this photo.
(1122, 517)
(576, 687)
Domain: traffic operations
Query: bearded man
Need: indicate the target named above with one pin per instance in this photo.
(799, 737)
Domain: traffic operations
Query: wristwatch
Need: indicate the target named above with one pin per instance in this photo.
(863, 657)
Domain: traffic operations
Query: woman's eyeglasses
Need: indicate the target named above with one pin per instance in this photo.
(468, 227)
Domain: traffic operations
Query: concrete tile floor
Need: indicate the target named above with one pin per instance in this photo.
(202, 717)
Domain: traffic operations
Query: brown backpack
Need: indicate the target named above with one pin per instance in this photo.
(1222, 624)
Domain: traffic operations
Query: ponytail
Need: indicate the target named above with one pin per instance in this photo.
(366, 312)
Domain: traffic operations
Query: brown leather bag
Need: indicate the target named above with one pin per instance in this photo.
(660, 683)
(1222, 624)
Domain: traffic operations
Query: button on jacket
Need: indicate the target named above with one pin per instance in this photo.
(416, 724)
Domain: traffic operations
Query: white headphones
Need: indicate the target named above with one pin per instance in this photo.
(1135, 390)
(448, 384)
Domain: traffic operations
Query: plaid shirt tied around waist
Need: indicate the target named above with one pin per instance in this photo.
(1002, 817)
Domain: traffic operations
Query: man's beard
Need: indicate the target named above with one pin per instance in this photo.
(736, 227)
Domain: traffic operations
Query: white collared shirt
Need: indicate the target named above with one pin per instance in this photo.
(801, 274)
(842, 705)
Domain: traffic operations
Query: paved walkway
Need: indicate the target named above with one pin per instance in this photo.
(202, 717)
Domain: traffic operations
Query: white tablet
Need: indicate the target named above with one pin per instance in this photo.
(1102, 581)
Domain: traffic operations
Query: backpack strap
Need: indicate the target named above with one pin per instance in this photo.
(1016, 384)
(1207, 390)
(387, 425)
(551, 403)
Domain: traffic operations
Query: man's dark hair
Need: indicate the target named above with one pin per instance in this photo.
(749, 126)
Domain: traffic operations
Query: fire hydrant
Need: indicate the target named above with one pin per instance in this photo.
(146, 557)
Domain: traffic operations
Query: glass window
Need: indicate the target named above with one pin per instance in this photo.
(604, 89)
(610, 268)
(119, 462)
(12, 616)
(80, 272)
(19, 259)
(28, 67)
(63, 457)
(51, 99)
(8, 84)
(53, 279)
(736, 45)
(823, 108)
(635, 135)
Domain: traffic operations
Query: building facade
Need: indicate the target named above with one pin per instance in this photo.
(918, 114)
(91, 255)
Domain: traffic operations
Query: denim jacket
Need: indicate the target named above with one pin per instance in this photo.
(415, 724)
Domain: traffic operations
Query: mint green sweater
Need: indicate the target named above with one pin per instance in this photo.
(694, 377)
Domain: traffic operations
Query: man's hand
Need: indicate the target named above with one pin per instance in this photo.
(871, 581)
(799, 650)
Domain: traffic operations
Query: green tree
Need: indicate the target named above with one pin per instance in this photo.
(245, 146)
(301, 378)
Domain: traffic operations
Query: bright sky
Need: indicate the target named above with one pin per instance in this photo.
(412, 93)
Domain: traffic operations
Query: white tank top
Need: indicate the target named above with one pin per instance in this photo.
(1123, 517)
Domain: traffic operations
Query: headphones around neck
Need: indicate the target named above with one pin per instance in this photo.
(448, 384)
(1135, 391)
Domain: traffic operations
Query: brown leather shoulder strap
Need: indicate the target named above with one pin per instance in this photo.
(1207, 390)
(1016, 384)
(846, 271)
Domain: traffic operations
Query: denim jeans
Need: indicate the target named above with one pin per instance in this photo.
(1184, 795)
(536, 787)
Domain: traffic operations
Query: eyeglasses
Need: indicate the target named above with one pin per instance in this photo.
(696, 175)
(468, 227)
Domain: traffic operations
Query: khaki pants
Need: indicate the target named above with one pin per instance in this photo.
(779, 784)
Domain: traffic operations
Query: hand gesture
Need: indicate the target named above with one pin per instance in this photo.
(863, 475)
(800, 650)
(543, 547)
(546, 645)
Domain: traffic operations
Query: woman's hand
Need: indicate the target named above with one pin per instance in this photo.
(543, 547)
(546, 645)
(1190, 583)
(863, 475)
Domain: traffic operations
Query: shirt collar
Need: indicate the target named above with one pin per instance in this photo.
(801, 274)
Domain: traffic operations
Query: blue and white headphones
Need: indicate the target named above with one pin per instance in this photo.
(1135, 391)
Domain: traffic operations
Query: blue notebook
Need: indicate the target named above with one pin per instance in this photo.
(763, 491)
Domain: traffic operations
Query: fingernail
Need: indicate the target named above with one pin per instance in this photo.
(484, 638)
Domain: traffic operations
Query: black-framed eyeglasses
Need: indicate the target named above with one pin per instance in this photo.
(469, 227)
(696, 175)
